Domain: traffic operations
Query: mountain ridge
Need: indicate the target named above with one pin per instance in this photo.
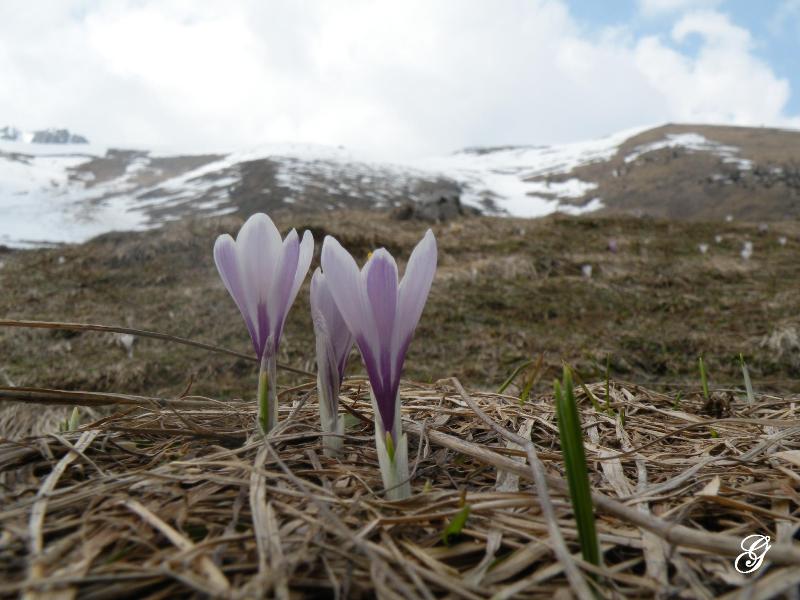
(68, 193)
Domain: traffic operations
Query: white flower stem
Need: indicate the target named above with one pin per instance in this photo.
(392, 450)
(267, 393)
(329, 412)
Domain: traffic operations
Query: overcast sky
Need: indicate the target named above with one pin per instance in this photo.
(393, 79)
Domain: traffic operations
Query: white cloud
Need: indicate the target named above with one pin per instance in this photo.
(390, 78)
(723, 83)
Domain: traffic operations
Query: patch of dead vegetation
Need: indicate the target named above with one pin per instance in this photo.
(507, 290)
(177, 499)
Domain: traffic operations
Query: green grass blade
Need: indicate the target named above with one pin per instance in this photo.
(703, 377)
(74, 420)
(531, 380)
(592, 398)
(513, 376)
(571, 434)
(748, 385)
(455, 526)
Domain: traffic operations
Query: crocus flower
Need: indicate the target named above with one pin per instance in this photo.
(263, 275)
(747, 250)
(334, 342)
(382, 315)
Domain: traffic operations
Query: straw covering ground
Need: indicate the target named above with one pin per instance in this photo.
(177, 498)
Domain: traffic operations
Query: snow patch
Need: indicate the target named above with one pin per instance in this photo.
(570, 209)
(515, 179)
(693, 142)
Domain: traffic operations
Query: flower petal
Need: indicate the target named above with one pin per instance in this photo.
(259, 250)
(322, 306)
(349, 290)
(345, 285)
(328, 323)
(303, 263)
(380, 280)
(413, 293)
(226, 259)
(281, 287)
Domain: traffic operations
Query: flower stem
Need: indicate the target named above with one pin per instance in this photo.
(329, 413)
(267, 394)
(392, 447)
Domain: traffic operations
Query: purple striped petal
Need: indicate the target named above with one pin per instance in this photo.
(380, 279)
(263, 275)
(259, 247)
(413, 293)
(303, 263)
(281, 287)
(380, 313)
(227, 261)
(329, 327)
(346, 287)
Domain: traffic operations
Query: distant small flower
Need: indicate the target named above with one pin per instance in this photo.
(782, 240)
(717, 239)
(747, 250)
(728, 218)
(334, 342)
(613, 247)
(263, 275)
(125, 341)
(382, 314)
(586, 270)
(703, 248)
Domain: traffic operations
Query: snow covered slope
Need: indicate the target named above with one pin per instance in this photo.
(71, 192)
(519, 180)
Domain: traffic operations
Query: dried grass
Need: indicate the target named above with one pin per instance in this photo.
(176, 498)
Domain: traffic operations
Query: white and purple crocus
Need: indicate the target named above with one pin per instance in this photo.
(334, 342)
(263, 275)
(382, 314)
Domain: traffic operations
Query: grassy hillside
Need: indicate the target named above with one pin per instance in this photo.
(506, 291)
(679, 183)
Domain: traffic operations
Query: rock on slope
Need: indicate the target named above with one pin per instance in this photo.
(43, 136)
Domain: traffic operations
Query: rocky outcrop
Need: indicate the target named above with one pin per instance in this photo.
(43, 136)
(57, 136)
(10, 134)
(435, 206)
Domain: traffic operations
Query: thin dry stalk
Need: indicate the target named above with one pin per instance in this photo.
(64, 326)
(576, 579)
(152, 500)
